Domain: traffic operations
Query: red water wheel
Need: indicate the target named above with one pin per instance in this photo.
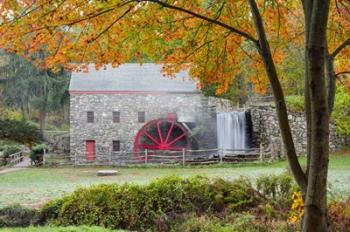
(161, 135)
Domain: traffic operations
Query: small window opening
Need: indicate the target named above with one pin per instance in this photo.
(141, 117)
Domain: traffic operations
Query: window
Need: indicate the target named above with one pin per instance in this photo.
(90, 116)
(116, 145)
(116, 116)
(142, 117)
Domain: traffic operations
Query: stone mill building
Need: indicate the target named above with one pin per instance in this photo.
(133, 108)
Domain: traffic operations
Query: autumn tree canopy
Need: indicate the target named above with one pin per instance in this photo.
(102, 32)
(109, 32)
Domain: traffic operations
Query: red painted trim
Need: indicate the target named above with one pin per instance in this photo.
(77, 92)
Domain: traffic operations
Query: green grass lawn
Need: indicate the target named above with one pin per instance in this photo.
(34, 186)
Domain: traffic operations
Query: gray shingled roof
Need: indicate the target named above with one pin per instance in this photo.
(131, 77)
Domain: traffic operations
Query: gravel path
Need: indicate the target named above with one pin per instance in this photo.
(20, 166)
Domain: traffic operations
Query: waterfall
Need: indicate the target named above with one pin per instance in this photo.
(231, 130)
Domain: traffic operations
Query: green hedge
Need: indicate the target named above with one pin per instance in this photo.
(166, 204)
(138, 207)
(17, 216)
(19, 131)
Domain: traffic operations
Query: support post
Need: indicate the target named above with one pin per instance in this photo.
(183, 156)
(261, 153)
(44, 157)
(146, 156)
(221, 154)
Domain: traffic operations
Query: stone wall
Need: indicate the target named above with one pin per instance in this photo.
(221, 105)
(265, 129)
(104, 131)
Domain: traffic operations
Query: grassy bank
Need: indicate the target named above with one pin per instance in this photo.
(34, 186)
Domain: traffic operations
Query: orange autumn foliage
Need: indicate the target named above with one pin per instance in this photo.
(74, 33)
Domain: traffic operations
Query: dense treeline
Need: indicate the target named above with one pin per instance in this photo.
(29, 93)
(18, 131)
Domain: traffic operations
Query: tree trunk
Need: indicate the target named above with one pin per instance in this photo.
(331, 81)
(281, 108)
(42, 120)
(43, 107)
(307, 7)
(315, 218)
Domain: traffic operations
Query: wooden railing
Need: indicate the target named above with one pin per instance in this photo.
(16, 158)
(182, 157)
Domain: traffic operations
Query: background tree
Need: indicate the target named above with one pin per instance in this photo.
(29, 89)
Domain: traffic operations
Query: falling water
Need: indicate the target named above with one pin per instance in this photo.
(231, 130)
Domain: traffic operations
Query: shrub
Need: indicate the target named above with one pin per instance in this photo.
(140, 207)
(233, 195)
(232, 223)
(7, 151)
(17, 216)
(341, 113)
(37, 153)
(277, 187)
(19, 131)
(295, 103)
(339, 214)
(11, 149)
(50, 210)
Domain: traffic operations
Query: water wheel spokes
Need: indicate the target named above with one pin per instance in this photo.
(161, 135)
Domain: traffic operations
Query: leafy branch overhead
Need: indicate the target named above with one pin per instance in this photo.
(211, 38)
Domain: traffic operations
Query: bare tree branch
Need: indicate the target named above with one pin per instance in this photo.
(216, 22)
(340, 48)
(342, 73)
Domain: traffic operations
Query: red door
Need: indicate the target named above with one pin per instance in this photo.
(90, 150)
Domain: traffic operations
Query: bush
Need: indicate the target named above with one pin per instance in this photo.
(233, 195)
(37, 154)
(7, 151)
(232, 223)
(214, 224)
(339, 214)
(295, 103)
(341, 113)
(50, 210)
(19, 131)
(17, 216)
(277, 187)
(11, 149)
(138, 207)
